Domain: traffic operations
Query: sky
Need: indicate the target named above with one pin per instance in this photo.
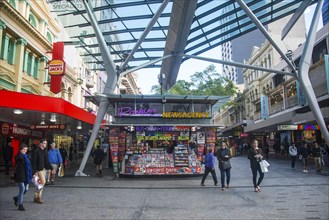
(148, 77)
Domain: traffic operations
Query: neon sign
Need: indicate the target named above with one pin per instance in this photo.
(128, 111)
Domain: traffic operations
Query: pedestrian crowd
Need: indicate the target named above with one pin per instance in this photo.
(258, 156)
(41, 165)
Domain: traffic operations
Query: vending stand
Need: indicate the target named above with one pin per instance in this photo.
(161, 135)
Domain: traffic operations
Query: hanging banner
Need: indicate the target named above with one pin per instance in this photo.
(326, 63)
(300, 94)
(264, 106)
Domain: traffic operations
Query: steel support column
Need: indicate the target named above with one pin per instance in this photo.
(110, 86)
(303, 71)
(236, 64)
(304, 63)
(260, 26)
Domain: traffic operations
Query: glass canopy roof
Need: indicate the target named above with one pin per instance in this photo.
(123, 21)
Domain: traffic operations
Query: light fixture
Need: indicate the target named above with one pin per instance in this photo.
(43, 116)
(79, 127)
(18, 111)
(53, 118)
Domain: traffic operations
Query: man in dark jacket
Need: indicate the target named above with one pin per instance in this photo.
(98, 159)
(40, 163)
(8, 156)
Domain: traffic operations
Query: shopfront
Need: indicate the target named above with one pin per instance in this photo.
(153, 137)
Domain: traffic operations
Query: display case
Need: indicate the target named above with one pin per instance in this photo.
(181, 156)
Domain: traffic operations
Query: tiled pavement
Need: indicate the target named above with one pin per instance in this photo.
(286, 194)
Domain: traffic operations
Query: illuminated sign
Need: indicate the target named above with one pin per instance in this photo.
(185, 115)
(56, 67)
(55, 126)
(128, 111)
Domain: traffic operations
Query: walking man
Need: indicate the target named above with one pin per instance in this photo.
(293, 154)
(40, 163)
(55, 160)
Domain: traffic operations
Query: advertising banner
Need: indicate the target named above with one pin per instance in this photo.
(264, 106)
(301, 99)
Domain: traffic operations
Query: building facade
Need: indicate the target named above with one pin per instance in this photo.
(288, 114)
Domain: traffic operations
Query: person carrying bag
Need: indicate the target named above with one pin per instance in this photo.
(224, 165)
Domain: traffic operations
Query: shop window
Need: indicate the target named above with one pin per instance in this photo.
(319, 50)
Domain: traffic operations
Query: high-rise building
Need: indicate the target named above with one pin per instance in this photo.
(325, 12)
(240, 48)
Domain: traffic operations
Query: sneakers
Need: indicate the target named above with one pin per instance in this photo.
(15, 200)
(21, 207)
(202, 184)
(216, 184)
(223, 188)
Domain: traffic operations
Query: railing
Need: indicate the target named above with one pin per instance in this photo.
(291, 102)
(277, 107)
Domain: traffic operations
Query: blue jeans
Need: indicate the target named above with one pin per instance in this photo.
(222, 176)
(22, 190)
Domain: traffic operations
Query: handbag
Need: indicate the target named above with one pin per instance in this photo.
(226, 164)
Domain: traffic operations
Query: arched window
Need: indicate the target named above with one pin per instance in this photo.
(63, 91)
(49, 37)
(69, 91)
(33, 20)
(13, 3)
(269, 60)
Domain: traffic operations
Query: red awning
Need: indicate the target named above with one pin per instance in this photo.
(24, 101)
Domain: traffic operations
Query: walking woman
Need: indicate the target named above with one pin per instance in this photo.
(209, 167)
(255, 156)
(23, 175)
(224, 164)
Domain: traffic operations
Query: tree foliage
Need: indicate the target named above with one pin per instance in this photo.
(207, 82)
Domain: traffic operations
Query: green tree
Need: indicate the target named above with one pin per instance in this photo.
(207, 82)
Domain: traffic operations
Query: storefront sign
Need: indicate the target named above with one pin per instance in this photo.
(53, 127)
(162, 128)
(56, 67)
(185, 115)
(128, 111)
(19, 131)
(287, 127)
(244, 135)
(258, 133)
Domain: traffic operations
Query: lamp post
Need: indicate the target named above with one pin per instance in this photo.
(161, 78)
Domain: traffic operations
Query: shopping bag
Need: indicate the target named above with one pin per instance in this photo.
(36, 181)
(60, 171)
(263, 167)
(265, 163)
